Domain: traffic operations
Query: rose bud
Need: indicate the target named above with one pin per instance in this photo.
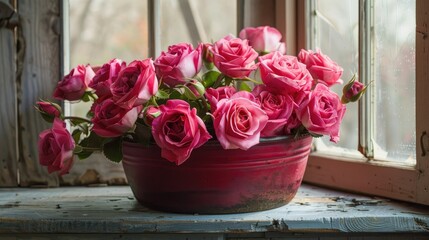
(353, 91)
(149, 114)
(194, 90)
(207, 56)
(48, 110)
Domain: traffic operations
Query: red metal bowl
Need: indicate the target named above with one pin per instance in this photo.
(214, 180)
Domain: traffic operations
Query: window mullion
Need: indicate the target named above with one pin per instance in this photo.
(366, 73)
(310, 10)
(154, 22)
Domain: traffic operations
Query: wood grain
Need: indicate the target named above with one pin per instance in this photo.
(113, 210)
(41, 24)
(422, 98)
(8, 129)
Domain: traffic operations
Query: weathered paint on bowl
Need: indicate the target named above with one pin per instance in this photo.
(214, 180)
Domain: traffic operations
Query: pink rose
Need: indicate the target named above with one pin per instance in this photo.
(72, 87)
(322, 112)
(110, 120)
(264, 39)
(149, 114)
(178, 64)
(238, 122)
(178, 130)
(213, 95)
(321, 67)
(284, 73)
(207, 53)
(135, 84)
(49, 108)
(105, 76)
(234, 57)
(56, 147)
(278, 107)
(353, 91)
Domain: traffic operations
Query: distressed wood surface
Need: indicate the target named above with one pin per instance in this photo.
(114, 210)
(8, 152)
(41, 24)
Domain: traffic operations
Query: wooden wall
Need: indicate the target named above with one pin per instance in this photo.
(43, 28)
(8, 127)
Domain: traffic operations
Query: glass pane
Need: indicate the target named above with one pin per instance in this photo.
(104, 29)
(215, 19)
(395, 133)
(336, 35)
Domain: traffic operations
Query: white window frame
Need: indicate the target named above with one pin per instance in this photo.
(385, 179)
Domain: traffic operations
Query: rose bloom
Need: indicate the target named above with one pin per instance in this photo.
(110, 120)
(105, 76)
(178, 130)
(322, 112)
(264, 39)
(72, 87)
(49, 108)
(135, 84)
(56, 147)
(278, 107)
(238, 122)
(213, 95)
(284, 73)
(235, 57)
(321, 67)
(178, 64)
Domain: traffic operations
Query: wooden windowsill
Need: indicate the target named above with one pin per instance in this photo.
(113, 210)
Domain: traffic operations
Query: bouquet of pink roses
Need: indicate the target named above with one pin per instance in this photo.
(235, 90)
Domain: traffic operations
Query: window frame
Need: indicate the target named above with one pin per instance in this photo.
(392, 180)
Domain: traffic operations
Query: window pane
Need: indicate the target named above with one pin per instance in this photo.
(336, 35)
(395, 133)
(194, 21)
(104, 29)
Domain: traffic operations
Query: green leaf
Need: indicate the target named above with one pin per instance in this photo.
(162, 94)
(112, 149)
(76, 135)
(84, 154)
(86, 97)
(244, 87)
(209, 78)
(48, 118)
(76, 121)
(93, 141)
